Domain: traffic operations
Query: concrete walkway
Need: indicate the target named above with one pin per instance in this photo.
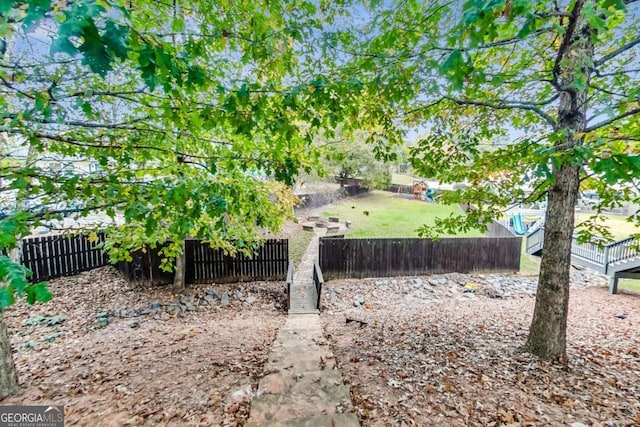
(302, 387)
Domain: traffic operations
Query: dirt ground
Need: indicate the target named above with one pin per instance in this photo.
(115, 356)
(454, 359)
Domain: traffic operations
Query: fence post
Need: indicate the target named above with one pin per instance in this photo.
(319, 281)
(289, 283)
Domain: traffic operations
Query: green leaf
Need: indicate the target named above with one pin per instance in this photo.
(527, 28)
(35, 12)
(38, 293)
(6, 297)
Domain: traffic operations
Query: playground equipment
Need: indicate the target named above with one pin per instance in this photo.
(518, 226)
(421, 191)
(517, 223)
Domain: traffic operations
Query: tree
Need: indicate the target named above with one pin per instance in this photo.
(559, 78)
(353, 158)
(197, 114)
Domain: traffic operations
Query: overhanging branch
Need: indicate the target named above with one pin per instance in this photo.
(600, 125)
(507, 106)
(617, 52)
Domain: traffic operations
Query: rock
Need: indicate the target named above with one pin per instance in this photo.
(435, 281)
(156, 305)
(241, 395)
(358, 301)
(209, 298)
(578, 425)
(190, 307)
(225, 299)
(418, 281)
(251, 299)
(213, 293)
(122, 389)
(338, 291)
(135, 323)
(239, 295)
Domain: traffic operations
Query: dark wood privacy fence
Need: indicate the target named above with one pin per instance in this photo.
(359, 258)
(204, 264)
(49, 257)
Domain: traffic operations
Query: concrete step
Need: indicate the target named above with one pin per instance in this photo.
(300, 334)
(307, 402)
(335, 420)
(301, 361)
(301, 342)
(285, 382)
(302, 320)
(304, 310)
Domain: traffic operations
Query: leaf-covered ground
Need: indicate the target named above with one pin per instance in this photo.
(118, 357)
(442, 352)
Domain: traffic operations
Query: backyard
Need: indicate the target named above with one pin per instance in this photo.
(383, 214)
(428, 350)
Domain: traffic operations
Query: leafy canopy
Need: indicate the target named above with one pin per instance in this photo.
(170, 119)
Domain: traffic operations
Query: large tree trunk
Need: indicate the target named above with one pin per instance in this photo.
(548, 332)
(8, 376)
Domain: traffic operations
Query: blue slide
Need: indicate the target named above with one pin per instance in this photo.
(518, 227)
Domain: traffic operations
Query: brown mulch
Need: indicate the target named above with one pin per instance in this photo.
(98, 349)
(458, 361)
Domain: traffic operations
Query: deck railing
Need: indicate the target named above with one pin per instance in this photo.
(602, 255)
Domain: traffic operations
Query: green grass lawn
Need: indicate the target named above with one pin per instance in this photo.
(629, 284)
(389, 216)
(618, 225)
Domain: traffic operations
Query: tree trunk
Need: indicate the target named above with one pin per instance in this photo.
(8, 377)
(548, 332)
(178, 279)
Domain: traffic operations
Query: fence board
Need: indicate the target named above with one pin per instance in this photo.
(49, 257)
(269, 262)
(359, 258)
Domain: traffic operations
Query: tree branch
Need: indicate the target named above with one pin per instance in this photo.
(571, 27)
(629, 113)
(507, 106)
(617, 52)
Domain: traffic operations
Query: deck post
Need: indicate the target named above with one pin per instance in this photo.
(606, 259)
(613, 284)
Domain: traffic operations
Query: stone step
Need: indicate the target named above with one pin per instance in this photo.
(309, 331)
(299, 334)
(335, 420)
(300, 342)
(282, 352)
(301, 321)
(279, 383)
(313, 400)
(300, 362)
(304, 310)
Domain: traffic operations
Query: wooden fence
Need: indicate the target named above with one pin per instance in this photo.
(204, 264)
(54, 256)
(50, 257)
(359, 258)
